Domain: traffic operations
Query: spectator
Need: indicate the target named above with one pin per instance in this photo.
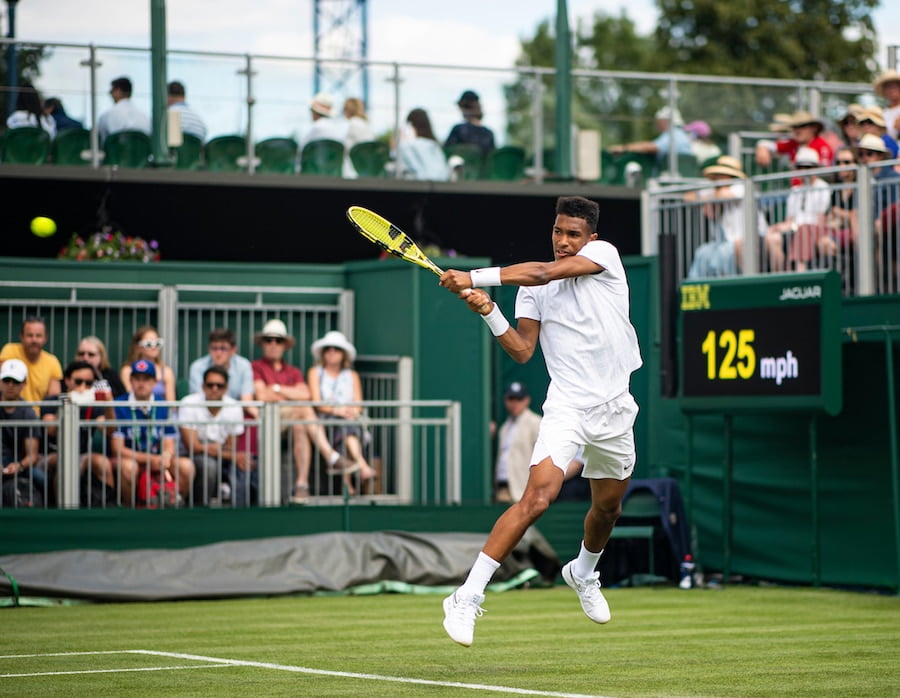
(223, 353)
(872, 121)
(671, 134)
(30, 112)
(871, 149)
(806, 130)
(209, 436)
(722, 208)
(419, 155)
(702, 144)
(275, 380)
(887, 85)
(54, 109)
(358, 131)
(334, 381)
(842, 221)
(44, 370)
(143, 441)
(191, 123)
(471, 130)
(323, 126)
(123, 115)
(147, 344)
(79, 378)
(515, 442)
(849, 124)
(19, 444)
(807, 205)
(93, 350)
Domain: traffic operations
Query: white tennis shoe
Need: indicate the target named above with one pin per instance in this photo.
(460, 611)
(588, 590)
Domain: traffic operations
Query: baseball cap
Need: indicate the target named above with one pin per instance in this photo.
(516, 390)
(15, 369)
(143, 366)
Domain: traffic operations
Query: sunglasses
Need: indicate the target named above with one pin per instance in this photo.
(869, 154)
(12, 380)
(220, 347)
(151, 343)
(846, 162)
(215, 386)
(276, 340)
(87, 353)
(83, 381)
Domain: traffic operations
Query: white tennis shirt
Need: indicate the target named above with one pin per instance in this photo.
(589, 344)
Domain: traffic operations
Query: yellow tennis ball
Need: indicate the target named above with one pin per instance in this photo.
(43, 227)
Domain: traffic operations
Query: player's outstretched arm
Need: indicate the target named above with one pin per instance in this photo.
(519, 342)
(522, 274)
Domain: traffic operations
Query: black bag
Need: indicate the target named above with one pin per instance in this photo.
(20, 493)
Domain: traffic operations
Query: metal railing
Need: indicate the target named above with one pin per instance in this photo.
(413, 446)
(866, 254)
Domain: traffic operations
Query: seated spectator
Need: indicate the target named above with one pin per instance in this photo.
(147, 344)
(849, 124)
(842, 219)
(872, 121)
(222, 347)
(471, 130)
(79, 378)
(358, 131)
(24, 484)
(671, 134)
(323, 126)
(29, 111)
(334, 381)
(806, 130)
(209, 437)
(275, 380)
(54, 109)
(191, 123)
(44, 369)
(808, 203)
(723, 254)
(93, 350)
(123, 115)
(419, 155)
(702, 144)
(143, 442)
(887, 85)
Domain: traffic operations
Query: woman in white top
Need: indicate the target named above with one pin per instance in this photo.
(358, 131)
(30, 112)
(419, 155)
(332, 380)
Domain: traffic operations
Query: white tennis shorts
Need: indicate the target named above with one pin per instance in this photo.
(606, 432)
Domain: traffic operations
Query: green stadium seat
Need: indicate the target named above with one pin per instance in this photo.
(72, 146)
(472, 157)
(370, 158)
(322, 157)
(688, 166)
(189, 155)
(506, 163)
(28, 145)
(276, 155)
(127, 149)
(224, 153)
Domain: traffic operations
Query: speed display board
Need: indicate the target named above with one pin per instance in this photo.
(761, 343)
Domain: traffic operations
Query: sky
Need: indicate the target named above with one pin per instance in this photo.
(459, 33)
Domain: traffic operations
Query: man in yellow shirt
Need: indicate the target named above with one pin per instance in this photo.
(44, 370)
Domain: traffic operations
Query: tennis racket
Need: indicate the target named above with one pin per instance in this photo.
(389, 237)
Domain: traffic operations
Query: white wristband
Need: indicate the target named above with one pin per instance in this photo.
(486, 276)
(496, 320)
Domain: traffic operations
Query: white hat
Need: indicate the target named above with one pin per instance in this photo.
(333, 339)
(869, 141)
(322, 104)
(274, 328)
(806, 156)
(15, 369)
(672, 115)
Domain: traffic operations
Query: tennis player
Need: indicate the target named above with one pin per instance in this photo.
(577, 306)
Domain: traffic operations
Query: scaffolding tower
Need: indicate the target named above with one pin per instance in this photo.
(341, 47)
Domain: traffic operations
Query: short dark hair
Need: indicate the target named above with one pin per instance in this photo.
(123, 84)
(30, 319)
(217, 370)
(79, 365)
(579, 207)
(176, 89)
(223, 334)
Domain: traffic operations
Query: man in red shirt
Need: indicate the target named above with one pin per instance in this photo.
(806, 130)
(275, 380)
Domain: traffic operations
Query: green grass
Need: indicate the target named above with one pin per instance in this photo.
(740, 641)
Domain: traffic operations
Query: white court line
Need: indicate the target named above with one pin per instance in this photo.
(111, 671)
(220, 662)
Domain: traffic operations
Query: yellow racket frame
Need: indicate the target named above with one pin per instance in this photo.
(389, 237)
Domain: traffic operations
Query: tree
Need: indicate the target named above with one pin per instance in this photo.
(28, 60)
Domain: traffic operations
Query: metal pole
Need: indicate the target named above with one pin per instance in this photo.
(537, 110)
(158, 81)
(563, 56)
(364, 51)
(92, 64)
(12, 65)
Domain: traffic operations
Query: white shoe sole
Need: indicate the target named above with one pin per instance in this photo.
(570, 581)
(448, 605)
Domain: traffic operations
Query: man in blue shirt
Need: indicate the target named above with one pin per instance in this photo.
(223, 353)
(671, 132)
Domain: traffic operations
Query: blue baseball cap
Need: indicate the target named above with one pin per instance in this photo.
(143, 366)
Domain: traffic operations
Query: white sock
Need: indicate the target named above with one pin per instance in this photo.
(480, 574)
(585, 563)
(332, 459)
